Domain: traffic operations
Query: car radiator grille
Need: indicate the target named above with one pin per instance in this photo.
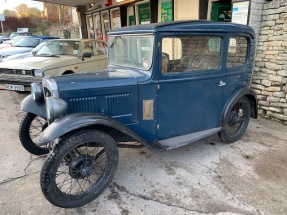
(15, 71)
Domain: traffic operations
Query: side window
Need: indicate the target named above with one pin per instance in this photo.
(190, 53)
(101, 49)
(88, 47)
(237, 51)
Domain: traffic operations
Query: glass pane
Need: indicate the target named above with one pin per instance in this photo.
(131, 51)
(190, 53)
(237, 51)
(98, 26)
(90, 27)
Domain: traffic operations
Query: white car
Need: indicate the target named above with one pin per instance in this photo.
(57, 57)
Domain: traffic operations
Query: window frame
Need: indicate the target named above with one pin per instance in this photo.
(221, 65)
(247, 58)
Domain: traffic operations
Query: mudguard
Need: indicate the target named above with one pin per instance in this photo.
(35, 107)
(77, 121)
(250, 94)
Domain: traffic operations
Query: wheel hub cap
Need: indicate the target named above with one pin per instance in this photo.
(234, 118)
(81, 167)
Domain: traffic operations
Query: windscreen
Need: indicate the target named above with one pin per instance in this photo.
(134, 51)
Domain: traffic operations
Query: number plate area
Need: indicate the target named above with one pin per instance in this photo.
(14, 87)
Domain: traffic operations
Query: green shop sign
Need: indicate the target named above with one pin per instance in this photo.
(166, 11)
(144, 13)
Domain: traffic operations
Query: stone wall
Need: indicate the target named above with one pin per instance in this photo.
(255, 15)
(270, 71)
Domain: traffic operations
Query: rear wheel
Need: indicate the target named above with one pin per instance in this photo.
(236, 121)
(79, 168)
(30, 130)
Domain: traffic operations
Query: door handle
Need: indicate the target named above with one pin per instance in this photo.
(221, 83)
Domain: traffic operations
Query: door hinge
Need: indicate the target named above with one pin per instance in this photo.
(158, 86)
(157, 127)
(158, 44)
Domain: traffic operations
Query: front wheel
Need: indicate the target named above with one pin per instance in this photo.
(236, 121)
(30, 130)
(79, 168)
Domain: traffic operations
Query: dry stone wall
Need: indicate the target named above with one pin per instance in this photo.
(270, 71)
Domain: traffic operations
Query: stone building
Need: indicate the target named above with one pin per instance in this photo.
(270, 71)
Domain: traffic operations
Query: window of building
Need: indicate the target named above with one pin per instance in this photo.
(90, 27)
(98, 26)
(115, 18)
(190, 53)
(237, 51)
(105, 16)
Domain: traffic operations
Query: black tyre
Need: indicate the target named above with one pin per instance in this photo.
(79, 168)
(236, 121)
(30, 130)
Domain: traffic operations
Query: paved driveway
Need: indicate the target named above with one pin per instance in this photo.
(206, 177)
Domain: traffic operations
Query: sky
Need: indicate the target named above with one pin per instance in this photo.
(11, 4)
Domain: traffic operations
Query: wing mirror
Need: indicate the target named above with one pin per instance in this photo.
(86, 55)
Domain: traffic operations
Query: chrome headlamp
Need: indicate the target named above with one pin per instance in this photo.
(37, 92)
(55, 107)
(38, 72)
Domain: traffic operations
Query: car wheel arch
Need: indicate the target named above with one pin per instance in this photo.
(68, 72)
(247, 92)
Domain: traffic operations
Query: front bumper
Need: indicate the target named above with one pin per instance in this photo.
(23, 80)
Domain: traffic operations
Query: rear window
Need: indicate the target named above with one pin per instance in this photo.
(237, 51)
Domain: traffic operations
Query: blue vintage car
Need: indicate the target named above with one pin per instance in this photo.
(167, 85)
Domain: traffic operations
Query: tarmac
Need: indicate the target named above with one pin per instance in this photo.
(205, 177)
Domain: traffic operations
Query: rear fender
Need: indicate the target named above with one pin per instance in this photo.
(247, 92)
(35, 107)
(76, 121)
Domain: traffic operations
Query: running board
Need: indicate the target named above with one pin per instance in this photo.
(183, 140)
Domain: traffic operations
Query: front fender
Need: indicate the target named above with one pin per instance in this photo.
(77, 121)
(35, 107)
(250, 94)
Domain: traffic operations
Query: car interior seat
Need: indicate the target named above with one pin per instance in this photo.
(164, 62)
(69, 50)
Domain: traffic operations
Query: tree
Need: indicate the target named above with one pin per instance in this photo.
(9, 13)
(34, 12)
(22, 10)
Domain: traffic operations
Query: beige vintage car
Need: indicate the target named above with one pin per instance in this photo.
(57, 57)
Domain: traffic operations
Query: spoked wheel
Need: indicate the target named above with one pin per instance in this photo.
(79, 168)
(30, 130)
(236, 121)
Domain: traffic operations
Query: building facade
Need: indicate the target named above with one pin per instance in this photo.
(270, 71)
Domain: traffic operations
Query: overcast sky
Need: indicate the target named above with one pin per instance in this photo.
(11, 4)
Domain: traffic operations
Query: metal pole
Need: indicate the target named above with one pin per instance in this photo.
(2, 27)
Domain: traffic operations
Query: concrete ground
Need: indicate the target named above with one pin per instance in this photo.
(206, 177)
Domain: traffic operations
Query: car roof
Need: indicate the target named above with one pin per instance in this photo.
(185, 26)
(40, 37)
(78, 40)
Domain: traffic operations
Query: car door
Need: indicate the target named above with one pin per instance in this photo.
(88, 63)
(190, 85)
(102, 54)
(238, 64)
